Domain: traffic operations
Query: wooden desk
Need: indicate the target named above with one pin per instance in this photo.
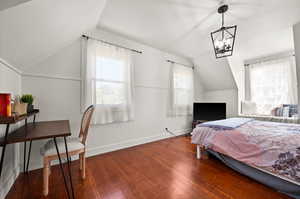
(16, 118)
(8, 121)
(37, 131)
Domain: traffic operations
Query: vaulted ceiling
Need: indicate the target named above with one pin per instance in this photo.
(36, 29)
(32, 30)
(4, 4)
(183, 26)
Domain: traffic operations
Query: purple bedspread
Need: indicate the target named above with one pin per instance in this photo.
(273, 147)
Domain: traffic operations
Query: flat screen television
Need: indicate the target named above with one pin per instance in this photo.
(209, 111)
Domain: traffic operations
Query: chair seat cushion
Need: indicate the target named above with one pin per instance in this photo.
(73, 144)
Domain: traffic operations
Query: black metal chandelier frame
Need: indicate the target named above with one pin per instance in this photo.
(224, 30)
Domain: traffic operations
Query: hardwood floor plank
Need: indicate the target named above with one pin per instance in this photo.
(159, 170)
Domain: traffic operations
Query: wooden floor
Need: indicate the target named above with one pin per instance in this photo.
(164, 169)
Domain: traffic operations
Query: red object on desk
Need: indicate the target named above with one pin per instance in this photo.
(5, 104)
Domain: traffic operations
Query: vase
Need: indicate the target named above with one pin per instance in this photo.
(5, 104)
(19, 108)
(29, 108)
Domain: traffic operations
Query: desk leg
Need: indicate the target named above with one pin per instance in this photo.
(3, 149)
(69, 167)
(24, 157)
(28, 157)
(61, 168)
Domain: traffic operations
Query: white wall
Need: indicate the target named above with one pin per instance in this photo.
(238, 71)
(215, 73)
(214, 82)
(10, 81)
(229, 96)
(58, 97)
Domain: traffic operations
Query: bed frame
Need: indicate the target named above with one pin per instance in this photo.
(200, 152)
(274, 181)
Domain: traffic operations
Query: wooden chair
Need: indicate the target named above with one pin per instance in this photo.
(76, 146)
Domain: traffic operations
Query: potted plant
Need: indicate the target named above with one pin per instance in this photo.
(27, 98)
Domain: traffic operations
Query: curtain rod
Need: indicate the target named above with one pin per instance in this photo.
(173, 62)
(270, 58)
(117, 45)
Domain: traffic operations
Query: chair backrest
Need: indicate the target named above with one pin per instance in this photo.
(85, 123)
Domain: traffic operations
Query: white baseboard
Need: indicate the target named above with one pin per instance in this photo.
(132, 142)
(8, 182)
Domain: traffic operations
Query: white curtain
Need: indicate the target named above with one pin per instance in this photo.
(181, 90)
(247, 83)
(272, 84)
(107, 82)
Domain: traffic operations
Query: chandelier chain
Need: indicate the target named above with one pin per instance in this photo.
(222, 19)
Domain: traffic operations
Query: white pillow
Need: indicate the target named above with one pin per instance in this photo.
(248, 108)
(286, 111)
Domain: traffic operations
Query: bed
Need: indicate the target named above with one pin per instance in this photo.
(268, 152)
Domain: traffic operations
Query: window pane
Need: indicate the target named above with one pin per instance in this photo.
(110, 69)
(269, 83)
(182, 79)
(183, 83)
(110, 93)
(182, 97)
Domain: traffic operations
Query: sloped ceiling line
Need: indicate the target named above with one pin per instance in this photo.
(32, 31)
(5, 4)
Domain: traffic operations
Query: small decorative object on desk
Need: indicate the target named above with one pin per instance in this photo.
(27, 98)
(18, 107)
(5, 104)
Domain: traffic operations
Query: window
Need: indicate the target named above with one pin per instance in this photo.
(181, 90)
(108, 82)
(273, 87)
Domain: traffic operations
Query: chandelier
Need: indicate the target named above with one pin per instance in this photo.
(223, 38)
